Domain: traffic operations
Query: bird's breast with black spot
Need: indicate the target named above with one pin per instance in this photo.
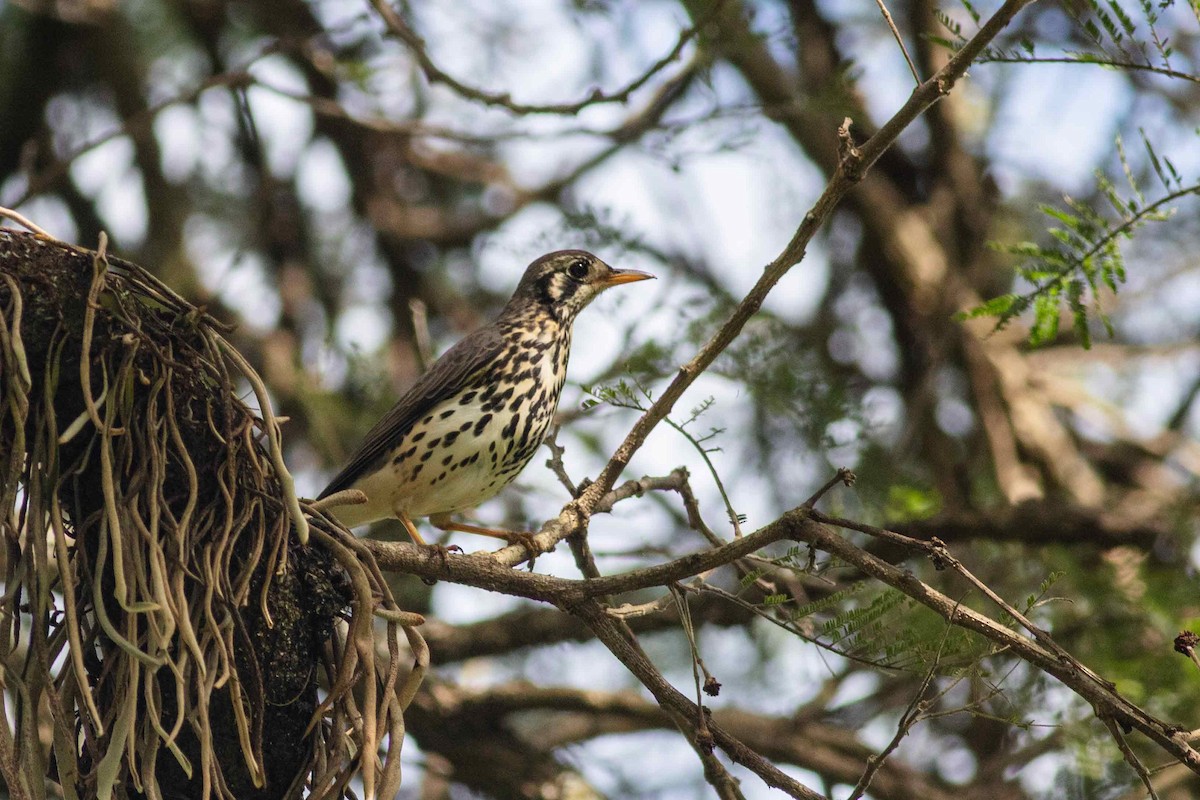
(473, 444)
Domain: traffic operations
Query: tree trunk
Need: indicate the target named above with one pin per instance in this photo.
(171, 613)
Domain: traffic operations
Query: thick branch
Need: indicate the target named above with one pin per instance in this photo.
(832, 752)
(578, 597)
(482, 570)
(544, 627)
(670, 699)
(1039, 522)
(1101, 694)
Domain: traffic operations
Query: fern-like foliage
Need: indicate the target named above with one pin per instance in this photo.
(887, 628)
(631, 394)
(1083, 254)
(1127, 38)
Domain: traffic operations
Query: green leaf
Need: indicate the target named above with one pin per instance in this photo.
(1075, 290)
(996, 307)
(1123, 16)
(1162, 174)
(1046, 319)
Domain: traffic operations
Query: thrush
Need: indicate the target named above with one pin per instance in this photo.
(470, 424)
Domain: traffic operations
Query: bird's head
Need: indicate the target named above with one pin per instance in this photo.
(564, 282)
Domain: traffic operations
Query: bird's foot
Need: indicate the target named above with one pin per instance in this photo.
(526, 540)
(441, 552)
(523, 538)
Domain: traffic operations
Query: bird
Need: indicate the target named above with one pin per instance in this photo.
(472, 422)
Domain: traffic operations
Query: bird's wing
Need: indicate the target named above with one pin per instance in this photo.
(448, 375)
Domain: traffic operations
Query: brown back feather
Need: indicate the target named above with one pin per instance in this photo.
(449, 374)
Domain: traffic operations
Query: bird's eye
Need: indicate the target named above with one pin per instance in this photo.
(578, 269)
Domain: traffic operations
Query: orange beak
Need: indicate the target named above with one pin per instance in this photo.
(620, 276)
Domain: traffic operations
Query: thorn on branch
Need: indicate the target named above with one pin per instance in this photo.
(849, 156)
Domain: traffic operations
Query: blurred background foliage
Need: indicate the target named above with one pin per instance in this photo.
(289, 166)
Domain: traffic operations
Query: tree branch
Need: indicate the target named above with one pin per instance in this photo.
(435, 74)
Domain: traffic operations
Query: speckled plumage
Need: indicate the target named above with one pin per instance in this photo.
(471, 423)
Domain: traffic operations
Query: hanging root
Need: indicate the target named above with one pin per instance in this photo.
(166, 630)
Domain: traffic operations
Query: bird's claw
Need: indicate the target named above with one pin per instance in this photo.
(526, 540)
(441, 552)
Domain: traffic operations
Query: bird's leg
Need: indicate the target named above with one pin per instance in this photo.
(412, 529)
(523, 538)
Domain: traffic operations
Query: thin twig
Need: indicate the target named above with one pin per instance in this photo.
(911, 716)
(735, 519)
(629, 610)
(891, 23)
(1076, 261)
(1130, 756)
(435, 74)
(714, 772)
(555, 463)
(791, 627)
(941, 557)
(711, 686)
(843, 476)
(609, 631)
(994, 57)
